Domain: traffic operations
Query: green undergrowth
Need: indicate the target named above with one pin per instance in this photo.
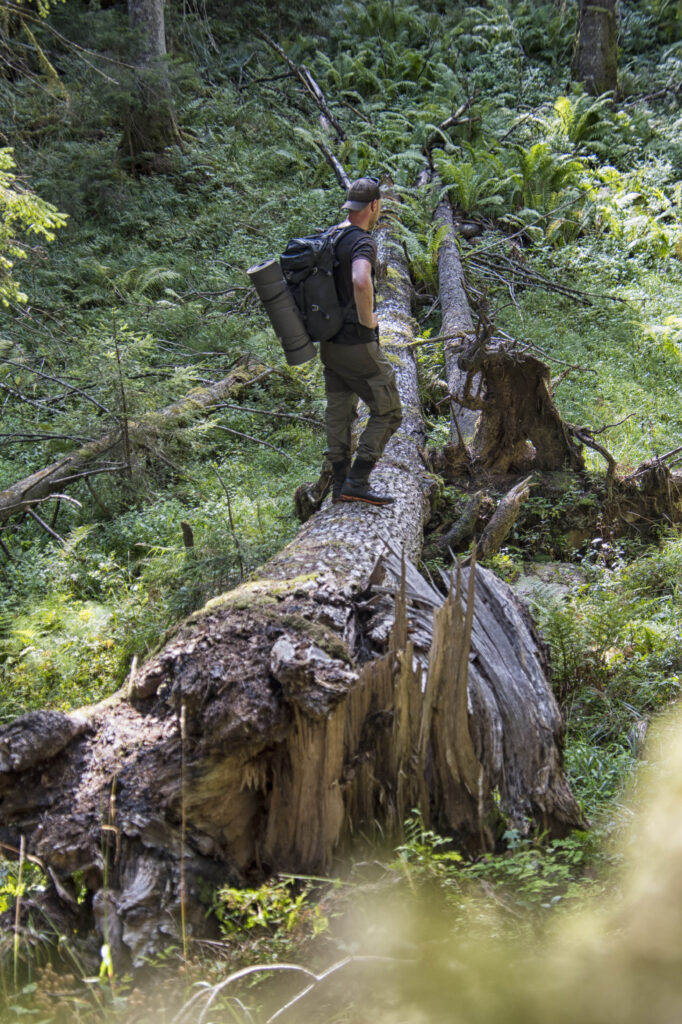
(143, 293)
(615, 636)
(115, 586)
(142, 296)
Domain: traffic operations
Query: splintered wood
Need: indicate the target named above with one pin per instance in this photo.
(491, 734)
(427, 760)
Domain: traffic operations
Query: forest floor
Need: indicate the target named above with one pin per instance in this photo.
(143, 296)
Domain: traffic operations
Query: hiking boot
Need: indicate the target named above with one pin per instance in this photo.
(356, 487)
(340, 472)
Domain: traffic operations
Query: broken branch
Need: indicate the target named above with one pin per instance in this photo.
(504, 517)
(336, 165)
(307, 81)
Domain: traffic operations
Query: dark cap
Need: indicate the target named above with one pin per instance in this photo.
(362, 192)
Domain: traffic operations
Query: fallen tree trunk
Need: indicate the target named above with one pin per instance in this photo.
(501, 399)
(145, 432)
(458, 325)
(232, 753)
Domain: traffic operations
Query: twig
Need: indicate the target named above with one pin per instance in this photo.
(270, 412)
(585, 437)
(123, 422)
(658, 95)
(256, 440)
(97, 499)
(450, 122)
(356, 111)
(5, 550)
(17, 909)
(517, 124)
(437, 338)
(22, 13)
(326, 974)
(52, 497)
(42, 406)
(48, 529)
(530, 278)
(232, 526)
(215, 990)
(537, 348)
(59, 380)
(25, 438)
(270, 78)
(659, 458)
(55, 514)
(610, 426)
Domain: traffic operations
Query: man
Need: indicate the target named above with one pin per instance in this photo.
(354, 365)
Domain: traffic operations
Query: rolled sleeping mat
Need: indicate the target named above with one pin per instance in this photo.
(285, 318)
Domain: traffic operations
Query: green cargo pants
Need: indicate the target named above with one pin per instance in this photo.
(352, 372)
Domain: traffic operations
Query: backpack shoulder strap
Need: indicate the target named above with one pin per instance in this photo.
(337, 232)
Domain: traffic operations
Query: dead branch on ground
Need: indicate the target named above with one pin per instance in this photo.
(504, 517)
(307, 81)
(86, 461)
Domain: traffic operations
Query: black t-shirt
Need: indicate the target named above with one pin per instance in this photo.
(354, 244)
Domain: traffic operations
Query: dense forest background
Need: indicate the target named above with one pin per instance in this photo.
(123, 252)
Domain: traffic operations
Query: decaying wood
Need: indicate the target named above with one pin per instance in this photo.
(464, 527)
(653, 493)
(461, 792)
(308, 497)
(264, 679)
(519, 427)
(502, 400)
(513, 718)
(335, 164)
(504, 517)
(257, 739)
(86, 461)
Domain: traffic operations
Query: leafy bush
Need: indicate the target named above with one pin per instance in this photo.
(531, 875)
(273, 919)
(21, 212)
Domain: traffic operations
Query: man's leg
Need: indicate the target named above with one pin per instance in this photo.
(380, 392)
(340, 412)
(385, 415)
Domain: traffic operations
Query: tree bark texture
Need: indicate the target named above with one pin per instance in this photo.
(489, 711)
(595, 54)
(143, 433)
(458, 325)
(248, 725)
(150, 124)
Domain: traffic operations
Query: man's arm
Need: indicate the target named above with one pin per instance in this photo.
(363, 292)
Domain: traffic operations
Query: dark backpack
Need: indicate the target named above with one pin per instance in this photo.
(308, 268)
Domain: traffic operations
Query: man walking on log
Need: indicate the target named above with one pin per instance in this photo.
(354, 364)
